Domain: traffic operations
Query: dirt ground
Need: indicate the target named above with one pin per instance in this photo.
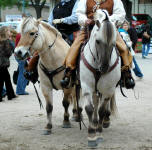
(22, 122)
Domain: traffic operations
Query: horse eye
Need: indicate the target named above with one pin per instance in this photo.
(32, 33)
(97, 41)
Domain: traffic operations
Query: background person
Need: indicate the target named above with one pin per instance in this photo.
(64, 17)
(6, 50)
(146, 35)
(131, 40)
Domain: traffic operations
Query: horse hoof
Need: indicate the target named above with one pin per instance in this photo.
(66, 125)
(99, 140)
(106, 124)
(47, 132)
(92, 144)
(74, 118)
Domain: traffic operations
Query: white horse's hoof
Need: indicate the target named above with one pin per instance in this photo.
(47, 132)
(106, 124)
(74, 118)
(99, 140)
(92, 144)
(66, 125)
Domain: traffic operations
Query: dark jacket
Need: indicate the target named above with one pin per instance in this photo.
(133, 36)
(144, 39)
(6, 50)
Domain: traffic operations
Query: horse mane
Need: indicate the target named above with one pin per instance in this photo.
(49, 27)
(35, 22)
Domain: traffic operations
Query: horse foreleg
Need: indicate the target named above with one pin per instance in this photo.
(66, 103)
(96, 103)
(48, 94)
(91, 128)
(106, 119)
(110, 109)
(102, 111)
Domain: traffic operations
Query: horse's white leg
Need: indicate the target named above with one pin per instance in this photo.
(106, 119)
(95, 114)
(102, 110)
(48, 94)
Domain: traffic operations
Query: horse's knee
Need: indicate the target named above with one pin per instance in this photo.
(89, 110)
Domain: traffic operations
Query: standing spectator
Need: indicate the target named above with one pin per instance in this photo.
(6, 50)
(21, 81)
(146, 41)
(133, 37)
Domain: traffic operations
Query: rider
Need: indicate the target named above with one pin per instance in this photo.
(64, 17)
(85, 12)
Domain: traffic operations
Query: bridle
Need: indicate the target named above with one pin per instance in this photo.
(35, 37)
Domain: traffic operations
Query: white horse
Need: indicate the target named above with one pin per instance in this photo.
(100, 71)
(38, 36)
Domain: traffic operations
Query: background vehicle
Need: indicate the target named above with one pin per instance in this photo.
(13, 24)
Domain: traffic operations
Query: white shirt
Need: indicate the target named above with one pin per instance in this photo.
(117, 15)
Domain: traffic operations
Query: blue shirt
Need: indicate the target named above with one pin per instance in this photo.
(67, 20)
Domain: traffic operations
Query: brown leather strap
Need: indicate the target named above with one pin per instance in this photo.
(97, 74)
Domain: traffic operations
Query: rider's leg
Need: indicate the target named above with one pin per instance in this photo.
(71, 58)
(32, 63)
(127, 61)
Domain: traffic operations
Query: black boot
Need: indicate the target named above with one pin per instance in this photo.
(66, 79)
(127, 79)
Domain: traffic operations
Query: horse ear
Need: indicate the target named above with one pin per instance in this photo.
(97, 22)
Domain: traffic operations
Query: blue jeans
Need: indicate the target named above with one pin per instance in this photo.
(3, 92)
(21, 81)
(144, 50)
(137, 70)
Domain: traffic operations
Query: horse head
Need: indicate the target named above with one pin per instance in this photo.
(104, 37)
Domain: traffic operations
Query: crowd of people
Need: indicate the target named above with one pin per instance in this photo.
(65, 18)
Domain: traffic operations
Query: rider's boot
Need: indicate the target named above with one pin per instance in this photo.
(66, 79)
(71, 58)
(127, 78)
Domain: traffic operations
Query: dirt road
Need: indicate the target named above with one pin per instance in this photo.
(22, 122)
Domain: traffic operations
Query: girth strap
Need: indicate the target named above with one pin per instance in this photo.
(52, 73)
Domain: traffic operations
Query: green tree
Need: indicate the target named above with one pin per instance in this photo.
(8, 3)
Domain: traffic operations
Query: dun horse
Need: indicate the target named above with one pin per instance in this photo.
(101, 63)
(38, 36)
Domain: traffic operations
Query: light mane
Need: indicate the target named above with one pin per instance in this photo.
(50, 28)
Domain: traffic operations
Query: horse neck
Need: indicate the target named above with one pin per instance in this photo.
(53, 57)
(90, 53)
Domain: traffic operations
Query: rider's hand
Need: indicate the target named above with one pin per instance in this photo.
(57, 21)
(88, 21)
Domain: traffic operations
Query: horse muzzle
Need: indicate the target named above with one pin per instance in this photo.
(21, 55)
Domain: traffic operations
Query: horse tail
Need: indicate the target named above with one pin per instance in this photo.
(113, 106)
